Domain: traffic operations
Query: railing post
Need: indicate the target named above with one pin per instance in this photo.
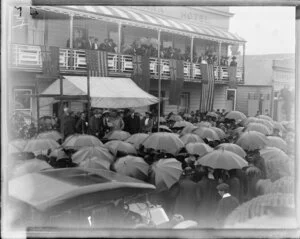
(219, 61)
(244, 52)
(159, 80)
(119, 62)
(192, 57)
(71, 30)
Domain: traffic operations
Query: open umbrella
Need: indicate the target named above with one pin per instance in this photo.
(188, 129)
(222, 159)
(94, 163)
(267, 123)
(100, 152)
(137, 139)
(236, 115)
(283, 185)
(52, 134)
(277, 125)
(166, 142)
(249, 120)
(162, 120)
(116, 146)
(198, 149)
(77, 141)
(132, 166)
(212, 114)
(164, 128)
(265, 117)
(207, 133)
(30, 166)
(233, 148)
(190, 138)
(40, 145)
(117, 135)
(258, 206)
(259, 128)
(165, 173)
(219, 131)
(182, 124)
(175, 118)
(252, 140)
(272, 153)
(203, 124)
(274, 141)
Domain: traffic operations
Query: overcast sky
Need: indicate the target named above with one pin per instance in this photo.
(267, 30)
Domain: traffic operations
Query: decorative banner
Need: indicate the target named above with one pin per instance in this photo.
(177, 80)
(50, 60)
(97, 63)
(141, 72)
(232, 76)
(207, 92)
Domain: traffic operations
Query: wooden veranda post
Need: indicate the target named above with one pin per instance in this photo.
(219, 61)
(37, 104)
(159, 80)
(88, 93)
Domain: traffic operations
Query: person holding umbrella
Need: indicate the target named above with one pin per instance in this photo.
(254, 158)
(185, 193)
(226, 205)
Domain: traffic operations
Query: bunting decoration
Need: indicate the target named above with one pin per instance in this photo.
(97, 63)
(207, 92)
(50, 60)
(177, 80)
(141, 72)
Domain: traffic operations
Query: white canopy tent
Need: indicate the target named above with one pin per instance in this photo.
(105, 92)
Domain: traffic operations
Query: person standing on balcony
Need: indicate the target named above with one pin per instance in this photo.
(233, 62)
(90, 44)
(95, 45)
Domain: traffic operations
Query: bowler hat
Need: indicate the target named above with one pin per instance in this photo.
(223, 187)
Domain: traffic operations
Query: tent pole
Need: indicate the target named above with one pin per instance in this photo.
(88, 94)
(61, 103)
(37, 105)
(159, 80)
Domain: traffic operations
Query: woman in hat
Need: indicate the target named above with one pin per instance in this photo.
(116, 121)
(233, 62)
(147, 123)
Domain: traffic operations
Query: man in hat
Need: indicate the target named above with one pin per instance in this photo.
(116, 121)
(132, 123)
(226, 205)
(233, 62)
(82, 124)
(105, 124)
(185, 192)
(95, 123)
(147, 123)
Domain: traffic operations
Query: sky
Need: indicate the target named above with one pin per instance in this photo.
(267, 30)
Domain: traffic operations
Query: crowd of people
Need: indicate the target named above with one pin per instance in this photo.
(202, 194)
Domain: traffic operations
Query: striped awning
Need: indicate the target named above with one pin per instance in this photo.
(130, 16)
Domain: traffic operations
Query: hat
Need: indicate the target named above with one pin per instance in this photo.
(106, 112)
(97, 111)
(148, 113)
(188, 171)
(234, 57)
(223, 187)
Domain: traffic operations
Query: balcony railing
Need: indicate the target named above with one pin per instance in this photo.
(29, 57)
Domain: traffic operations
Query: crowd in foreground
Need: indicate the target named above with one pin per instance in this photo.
(202, 194)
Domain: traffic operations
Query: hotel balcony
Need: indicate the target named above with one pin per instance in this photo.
(29, 58)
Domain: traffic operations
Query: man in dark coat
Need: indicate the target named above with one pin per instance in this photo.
(95, 123)
(207, 197)
(185, 203)
(226, 205)
(132, 123)
(82, 124)
(68, 123)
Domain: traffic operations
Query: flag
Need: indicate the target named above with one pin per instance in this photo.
(177, 80)
(97, 63)
(50, 60)
(207, 92)
(232, 76)
(141, 71)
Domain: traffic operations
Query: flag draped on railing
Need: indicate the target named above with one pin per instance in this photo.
(97, 63)
(232, 76)
(177, 80)
(50, 60)
(207, 92)
(141, 72)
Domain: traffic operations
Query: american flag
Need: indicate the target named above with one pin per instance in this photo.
(207, 92)
(97, 64)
